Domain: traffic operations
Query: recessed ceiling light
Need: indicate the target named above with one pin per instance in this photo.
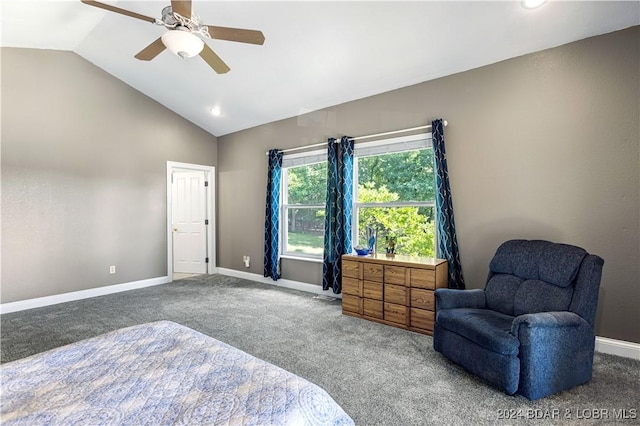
(215, 111)
(532, 4)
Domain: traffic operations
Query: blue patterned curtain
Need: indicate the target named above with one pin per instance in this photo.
(447, 240)
(337, 221)
(272, 216)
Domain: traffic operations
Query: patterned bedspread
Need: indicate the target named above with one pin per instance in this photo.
(157, 374)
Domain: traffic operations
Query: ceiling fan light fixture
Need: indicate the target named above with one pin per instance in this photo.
(182, 43)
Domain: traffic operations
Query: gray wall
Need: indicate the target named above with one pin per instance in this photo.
(83, 175)
(543, 146)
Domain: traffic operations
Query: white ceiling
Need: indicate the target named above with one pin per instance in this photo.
(315, 55)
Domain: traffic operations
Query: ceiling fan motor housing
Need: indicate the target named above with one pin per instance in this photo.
(173, 20)
(168, 18)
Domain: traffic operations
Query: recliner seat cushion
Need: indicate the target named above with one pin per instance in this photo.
(487, 328)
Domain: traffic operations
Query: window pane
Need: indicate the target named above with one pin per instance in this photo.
(413, 227)
(307, 184)
(403, 176)
(305, 229)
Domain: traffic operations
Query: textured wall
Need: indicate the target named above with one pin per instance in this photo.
(83, 175)
(544, 146)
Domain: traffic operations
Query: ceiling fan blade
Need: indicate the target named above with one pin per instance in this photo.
(214, 60)
(182, 8)
(119, 10)
(151, 51)
(236, 34)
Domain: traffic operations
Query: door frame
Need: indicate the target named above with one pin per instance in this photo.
(210, 176)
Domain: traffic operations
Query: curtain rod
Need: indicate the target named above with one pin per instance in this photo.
(428, 126)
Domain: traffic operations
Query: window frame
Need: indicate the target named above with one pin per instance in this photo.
(394, 145)
(362, 149)
(290, 161)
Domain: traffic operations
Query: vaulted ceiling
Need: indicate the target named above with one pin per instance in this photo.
(316, 54)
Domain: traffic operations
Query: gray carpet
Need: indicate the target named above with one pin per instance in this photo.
(379, 374)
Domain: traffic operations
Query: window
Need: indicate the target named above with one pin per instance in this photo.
(394, 193)
(304, 177)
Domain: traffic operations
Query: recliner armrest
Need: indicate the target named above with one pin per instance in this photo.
(448, 298)
(556, 352)
(562, 319)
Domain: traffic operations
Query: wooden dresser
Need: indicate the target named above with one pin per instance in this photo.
(396, 291)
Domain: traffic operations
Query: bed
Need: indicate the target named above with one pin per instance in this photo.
(158, 373)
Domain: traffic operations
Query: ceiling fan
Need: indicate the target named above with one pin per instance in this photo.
(184, 28)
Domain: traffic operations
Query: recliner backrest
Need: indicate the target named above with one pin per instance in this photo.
(533, 276)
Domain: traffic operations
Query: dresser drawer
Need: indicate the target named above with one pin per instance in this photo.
(423, 319)
(351, 286)
(423, 299)
(372, 271)
(396, 313)
(422, 278)
(351, 304)
(395, 294)
(372, 290)
(395, 275)
(372, 308)
(350, 269)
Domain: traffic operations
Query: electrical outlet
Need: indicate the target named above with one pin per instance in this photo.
(246, 260)
(112, 269)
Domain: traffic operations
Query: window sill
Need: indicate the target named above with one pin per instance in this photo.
(304, 259)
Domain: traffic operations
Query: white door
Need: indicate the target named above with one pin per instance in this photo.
(189, 228)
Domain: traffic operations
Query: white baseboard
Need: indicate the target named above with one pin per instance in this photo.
(618, 347)
(295, 285)
(39, 302)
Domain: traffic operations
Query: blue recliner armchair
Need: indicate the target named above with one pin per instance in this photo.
(530, 330)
